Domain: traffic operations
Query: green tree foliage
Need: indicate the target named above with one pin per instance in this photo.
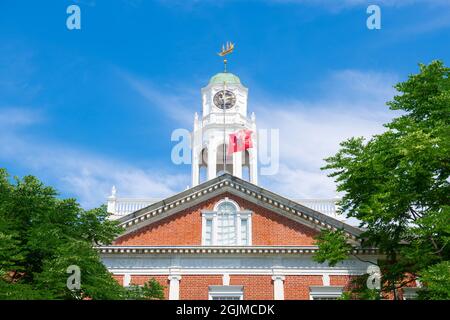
(397, 184)
(333, 247)
(436, 280)
(42, 235)
(152, 289)
(359, 291)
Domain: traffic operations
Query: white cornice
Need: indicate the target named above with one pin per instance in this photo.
(221, 250)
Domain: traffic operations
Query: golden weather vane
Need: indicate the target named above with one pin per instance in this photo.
(226, 49)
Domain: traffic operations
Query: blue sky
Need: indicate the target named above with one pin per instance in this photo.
(89, 108)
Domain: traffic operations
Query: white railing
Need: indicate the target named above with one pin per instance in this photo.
(326, 206)
(119, 207)
(230, 118)
(124, 206)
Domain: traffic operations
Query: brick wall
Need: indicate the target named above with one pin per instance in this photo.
(184, 228)
(256, 287)
(345, 281)
(195, 287)
(118, 278)
(297, 287)
(270, 228)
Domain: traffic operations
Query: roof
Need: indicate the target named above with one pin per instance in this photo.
(224, 77)
(241, 188)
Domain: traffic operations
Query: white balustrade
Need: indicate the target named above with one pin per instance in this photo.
(230, 118)
(120, 207)
(326, 206)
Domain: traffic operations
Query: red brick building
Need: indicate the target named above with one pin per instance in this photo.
(226, 237)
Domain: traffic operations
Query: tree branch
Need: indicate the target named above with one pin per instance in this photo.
(375, 264)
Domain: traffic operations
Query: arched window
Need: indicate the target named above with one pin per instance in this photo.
(226, 223)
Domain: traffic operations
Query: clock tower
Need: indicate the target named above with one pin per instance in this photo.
(224, 112)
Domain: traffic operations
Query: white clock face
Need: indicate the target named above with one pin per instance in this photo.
(224, 99)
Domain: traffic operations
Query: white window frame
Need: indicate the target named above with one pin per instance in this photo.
(410, 293)
(225, 291)
(325, 292)
(240, 215)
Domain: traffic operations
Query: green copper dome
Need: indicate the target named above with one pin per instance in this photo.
(226, 77)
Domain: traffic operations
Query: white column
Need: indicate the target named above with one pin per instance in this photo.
(226, 279)
(214, 229)
(325, 279)
(253, 155)
(195, 168)
(126, 279)
(212, 161)
(174, 287)
(238, 229)
(237, 164)
(278, 287)
(112, 199)
(249, 229)
(204, 229)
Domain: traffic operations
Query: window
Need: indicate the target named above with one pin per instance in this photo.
(223, 297)
(325, 292)
(208, 232)
(324, 298)
(226, 225)
(244, 232)
(226, 292)
(410, 293)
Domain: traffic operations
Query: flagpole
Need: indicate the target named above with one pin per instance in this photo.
(224, 133)
(225, 50)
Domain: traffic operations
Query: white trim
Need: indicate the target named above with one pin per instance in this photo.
(226, 250)
(230, 263)
(225, 291)
(326, 279)
(204, 218)
(240, 215)
(249, 226)
(238, 223)
(244, 215)
(278, 287)
(325, 292)
(242, 271)
(226, 279)
(126, 279)
(410, 293)
(237, 164)
(212, 161)
(226, 199)
(174, 287)
(209, 216)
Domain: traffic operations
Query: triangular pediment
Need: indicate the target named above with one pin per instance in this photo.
(228, 184)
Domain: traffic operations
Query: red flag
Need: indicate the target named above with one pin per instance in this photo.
(248, 143)
(240, 141)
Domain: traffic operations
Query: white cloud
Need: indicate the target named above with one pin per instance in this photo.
(87, 176)
(349, 103)
(311, 131)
